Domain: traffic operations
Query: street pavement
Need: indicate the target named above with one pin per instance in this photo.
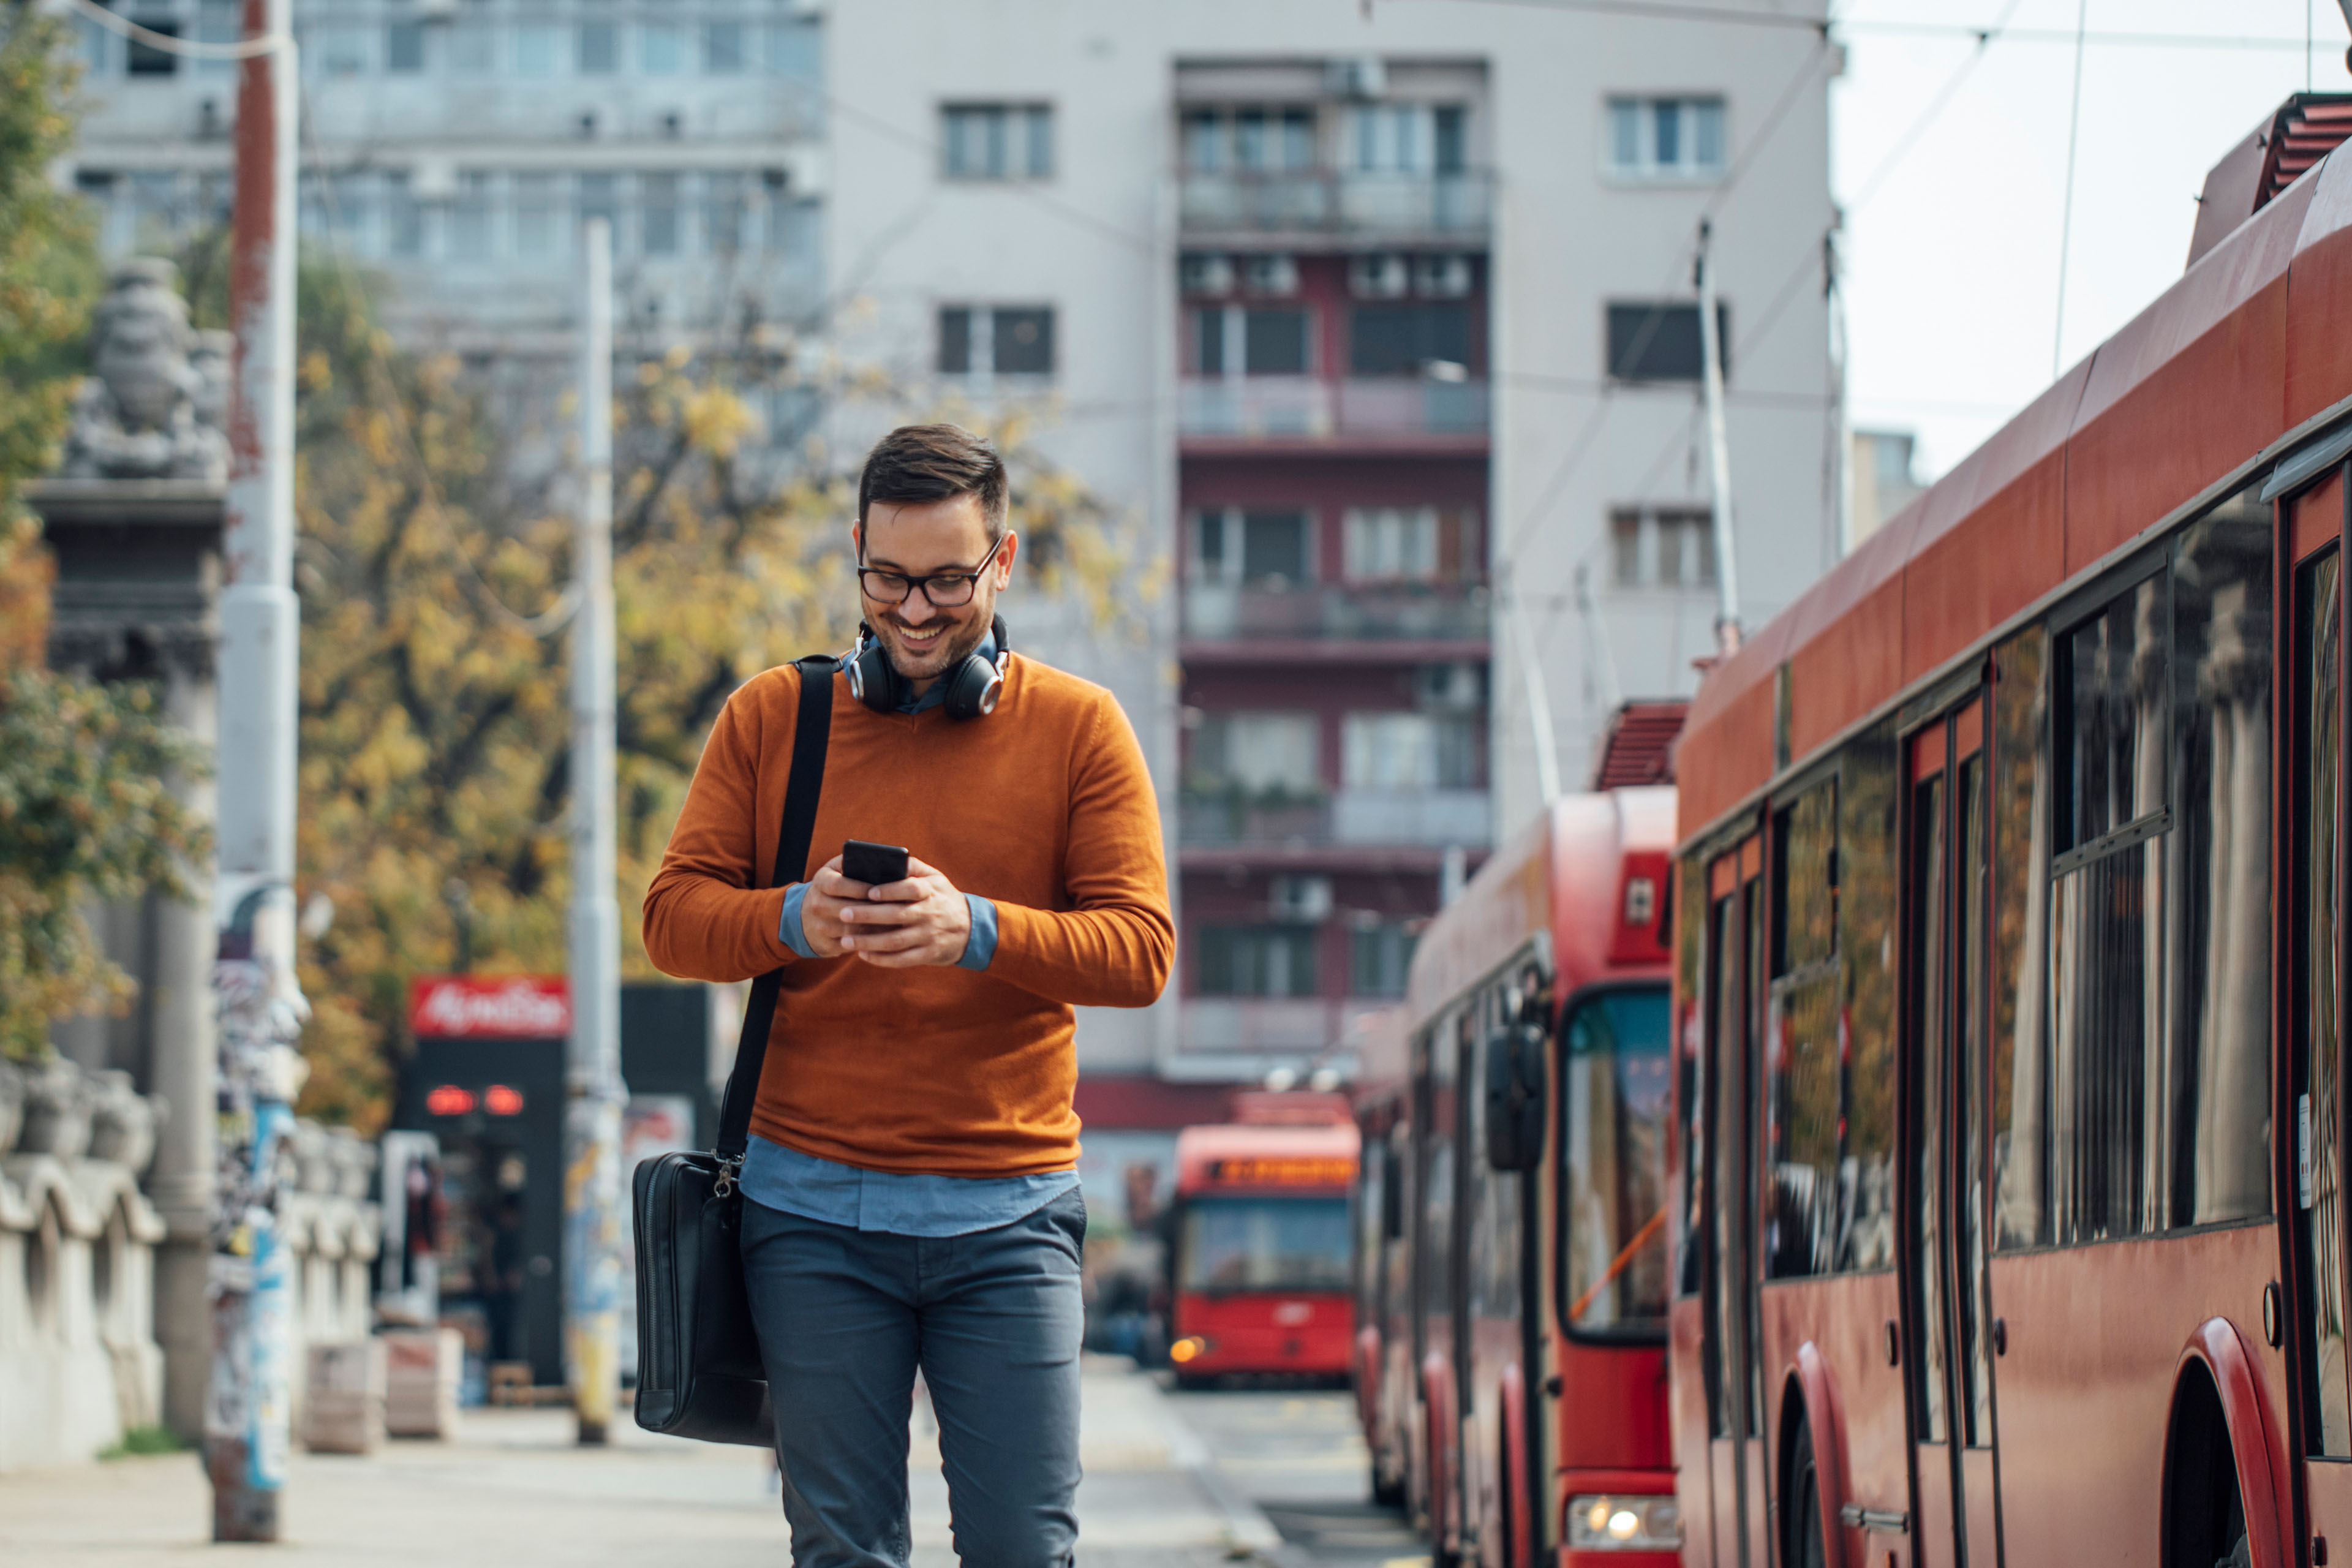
(1300, 1458)
(513, 1490)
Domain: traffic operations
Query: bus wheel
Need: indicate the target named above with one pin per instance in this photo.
(1803, 1547)
(2205, 1519)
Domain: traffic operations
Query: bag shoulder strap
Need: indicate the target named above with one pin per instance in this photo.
(811, 730)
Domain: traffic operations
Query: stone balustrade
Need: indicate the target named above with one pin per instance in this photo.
(80, 1361)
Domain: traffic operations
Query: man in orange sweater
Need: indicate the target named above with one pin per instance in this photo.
(913, 1194)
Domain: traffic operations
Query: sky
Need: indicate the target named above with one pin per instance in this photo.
(1952, 260)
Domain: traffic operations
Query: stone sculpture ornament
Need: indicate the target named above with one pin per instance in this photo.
(154, 408)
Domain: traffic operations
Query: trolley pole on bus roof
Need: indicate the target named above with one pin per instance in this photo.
(1719, 452)
(591, 1122)
(259, 1000)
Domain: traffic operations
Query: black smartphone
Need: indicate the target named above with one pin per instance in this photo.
(872, 864)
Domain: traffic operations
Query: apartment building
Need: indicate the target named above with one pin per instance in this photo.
(452, 148)
(1382, 318)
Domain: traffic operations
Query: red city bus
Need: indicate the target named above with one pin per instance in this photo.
(1511, 1261)
(1260, 1263)
(2008, 1215)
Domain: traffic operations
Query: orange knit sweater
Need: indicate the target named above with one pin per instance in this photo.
(1044, 807)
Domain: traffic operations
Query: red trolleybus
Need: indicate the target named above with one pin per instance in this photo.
(1511, 1264)
(1261, 1255)
(2009, 1222)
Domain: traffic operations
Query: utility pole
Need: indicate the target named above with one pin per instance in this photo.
(246, 1407)
(1539, 694)
(591, 1122)
(1718, 453)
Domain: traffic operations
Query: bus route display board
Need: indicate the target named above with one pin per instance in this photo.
(1280, 1171)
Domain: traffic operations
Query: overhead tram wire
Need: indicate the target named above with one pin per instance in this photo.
(1778, 116)
(1870, 186)
(1679, 11)
(2066, 212)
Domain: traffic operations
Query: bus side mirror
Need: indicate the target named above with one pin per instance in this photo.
(1515, 1097)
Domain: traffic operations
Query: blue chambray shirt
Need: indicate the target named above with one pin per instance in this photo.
(896, 1201)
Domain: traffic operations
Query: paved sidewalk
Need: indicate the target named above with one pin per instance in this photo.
(513, 1491)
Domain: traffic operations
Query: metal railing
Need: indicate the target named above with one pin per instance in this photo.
(1309, 407)
(1433, 612)
(1350, 818)
(1326, 201)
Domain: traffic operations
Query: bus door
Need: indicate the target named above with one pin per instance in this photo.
(2311, 901)
(1943, 1198)
(1729, 1345)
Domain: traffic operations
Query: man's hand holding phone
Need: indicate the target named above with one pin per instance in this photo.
(917, 921)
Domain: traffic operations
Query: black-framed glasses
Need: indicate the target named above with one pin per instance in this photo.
(944, 590)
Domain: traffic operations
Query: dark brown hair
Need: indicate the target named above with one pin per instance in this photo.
(919, 463)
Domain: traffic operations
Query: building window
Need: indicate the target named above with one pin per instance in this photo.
(1405, 340)
(1006, 339)
(1409, 139)
(473, 48)
(662, 46)
(1409, 751)
(1666, 138)
(1271, 550)
(1261, 755)
(403, 217)
(600, 49)
(1257, 138)
(403, 47)
(796, 49)
(658, 196)
(1380, 958)
(536, 232)
(722, 213)
(144, 58)
(1391, 544)
(1662, 547)
(1258, 341)
(598, 199)
(1659, 341)
(469, 219)
(1257, 961)
(337, 51)
(722, 49)
(539, 48)
(997, 141)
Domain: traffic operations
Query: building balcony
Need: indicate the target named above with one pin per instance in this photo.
(1399, 612)
(1321, 201)
(1432, 820)
(1310, 408)
(1275, 1025)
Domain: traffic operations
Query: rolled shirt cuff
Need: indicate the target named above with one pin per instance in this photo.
(979, 946)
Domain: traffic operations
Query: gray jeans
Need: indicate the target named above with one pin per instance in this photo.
(992, 1318)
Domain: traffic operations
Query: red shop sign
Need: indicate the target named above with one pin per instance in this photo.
(504, 1006)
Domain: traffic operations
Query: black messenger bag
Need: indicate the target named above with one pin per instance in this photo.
(698, 1369)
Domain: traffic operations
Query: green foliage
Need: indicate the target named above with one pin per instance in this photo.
(86, 810)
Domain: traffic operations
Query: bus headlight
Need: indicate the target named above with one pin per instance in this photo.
(1192, 1347)
(1615, 1522)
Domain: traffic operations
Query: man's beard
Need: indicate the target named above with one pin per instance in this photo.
(958, 647)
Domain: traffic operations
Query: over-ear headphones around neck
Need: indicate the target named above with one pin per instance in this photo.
(972, 686)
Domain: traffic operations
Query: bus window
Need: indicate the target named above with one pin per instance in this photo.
(1802, 1113)
(1690, 1192)
(2020, 847)
(1614, 1110)
(1867, 871)
(1270, 1242)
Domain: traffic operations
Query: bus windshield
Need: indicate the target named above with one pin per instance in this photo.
(1265, 1243)
(1613, 1106)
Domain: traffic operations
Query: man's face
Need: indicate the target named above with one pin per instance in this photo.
(918, 538)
